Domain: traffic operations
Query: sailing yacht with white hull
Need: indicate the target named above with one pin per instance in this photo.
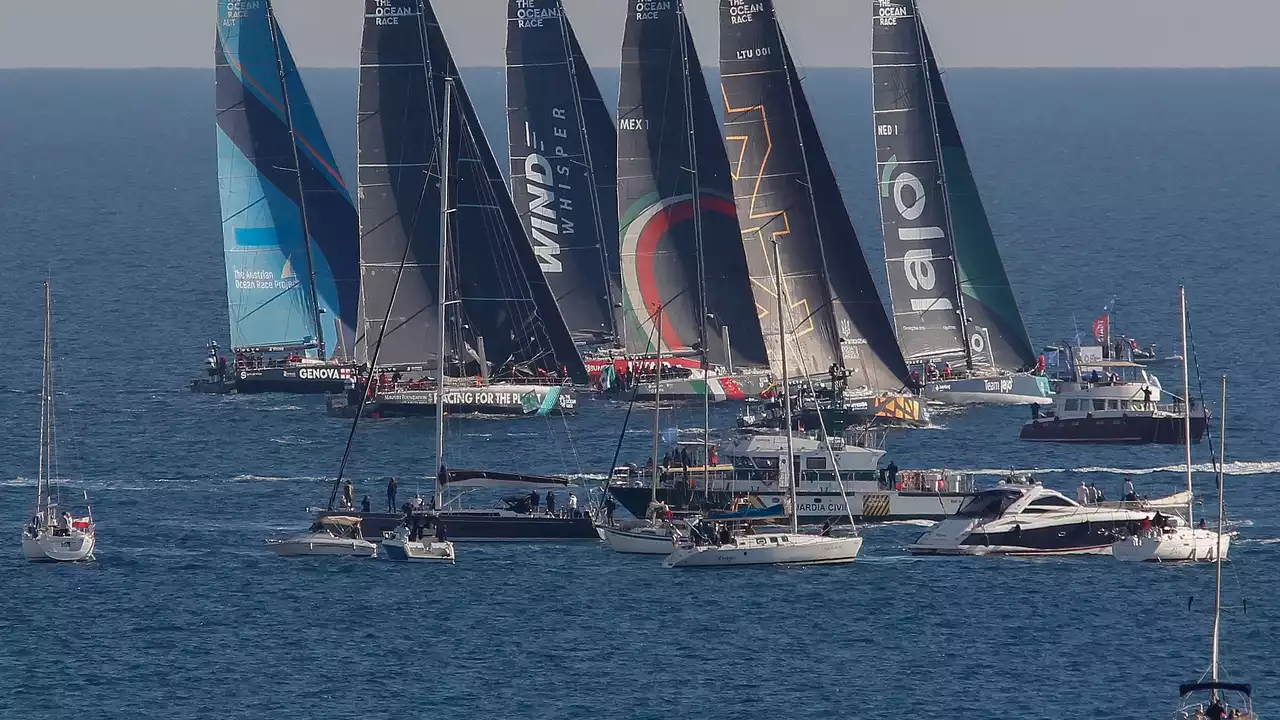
(53, 535)
(956, 316)
(289, 227)
(786, 190)
(507, 348)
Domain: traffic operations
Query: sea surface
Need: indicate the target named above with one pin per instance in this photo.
(1099, 183)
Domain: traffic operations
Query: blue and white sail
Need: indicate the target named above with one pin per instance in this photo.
(290, 231)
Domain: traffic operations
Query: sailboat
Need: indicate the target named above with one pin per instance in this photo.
(1212, 698)
(289, 227)
(507, 348)
(786, 190)
(955, 313)
(681, 248)
(52, 535)
(563, 170)
(769, 548)
(1179, 540)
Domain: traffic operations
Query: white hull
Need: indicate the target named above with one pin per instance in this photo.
(982, 398)
(1184, 544)
(647, 542)
(401, 550)
(294, 547)
(769, 549)
(59, 548)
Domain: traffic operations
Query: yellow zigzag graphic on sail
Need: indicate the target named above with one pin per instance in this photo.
(757, 234)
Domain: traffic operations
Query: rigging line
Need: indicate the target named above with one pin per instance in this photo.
(635, 392)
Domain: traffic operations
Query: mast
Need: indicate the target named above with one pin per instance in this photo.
(657, 408)
(46, 397)
(311, 294)
(1217, 551)
(441, 279)
(786, 389)
(1186, 400)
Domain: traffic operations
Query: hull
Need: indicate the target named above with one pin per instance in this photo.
(297, 380)
(59, 548)
(297, 547)
(903, 411)
(503, 527)
(1125, 430)
(994, 390)
(814, 508)
(769, 549)
(401, 550)
(635, 542)
(723, 387)
(1080, 538)
(498, 399)
(1183, 545)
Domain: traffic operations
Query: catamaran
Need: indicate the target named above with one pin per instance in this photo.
(786, 190)
(289, 227)
(956, 316)
(52, 535)
(507, 348)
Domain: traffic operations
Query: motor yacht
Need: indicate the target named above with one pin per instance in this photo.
(1026, 518)
(402, 546)
(331, 535)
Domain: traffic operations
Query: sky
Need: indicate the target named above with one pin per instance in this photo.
(965, 33)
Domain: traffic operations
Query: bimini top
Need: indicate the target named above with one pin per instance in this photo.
(492, 479)
(346, 520)
(1188, 688)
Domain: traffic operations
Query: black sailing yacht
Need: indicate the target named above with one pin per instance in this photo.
(506, 347)
(952, 302)
(786, 191)
(289, 227)
(688, 322)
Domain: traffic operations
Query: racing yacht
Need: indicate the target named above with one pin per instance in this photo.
(1023, 517)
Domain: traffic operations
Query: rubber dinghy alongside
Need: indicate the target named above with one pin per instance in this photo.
(956, 315)
(507, 349)
(289, 227)
(786, 192)
(53, 535)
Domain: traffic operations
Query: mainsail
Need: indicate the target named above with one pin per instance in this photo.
(951, 296)
(279, 185)
(563, 170)
(503, 297)
(679, 249)
(787, 193)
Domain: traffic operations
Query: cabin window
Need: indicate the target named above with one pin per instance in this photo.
(815, 463)
(1072, 405)
(1051, 501)
(1113, 404)
(1099, 404)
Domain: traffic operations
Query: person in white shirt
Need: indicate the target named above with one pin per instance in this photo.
(573, 505)
(1082, 494)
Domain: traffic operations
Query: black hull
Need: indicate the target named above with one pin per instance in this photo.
(524, 528)
(1054, 539)
(319, 380)
(636, 501)
(1128, 430)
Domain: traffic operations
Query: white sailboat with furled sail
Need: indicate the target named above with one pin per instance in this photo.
(53, 534)
(1174, 538)
(1211, 697)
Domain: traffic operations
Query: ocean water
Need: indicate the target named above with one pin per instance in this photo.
(1098, 183)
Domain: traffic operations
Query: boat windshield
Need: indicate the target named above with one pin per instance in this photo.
(989, 504)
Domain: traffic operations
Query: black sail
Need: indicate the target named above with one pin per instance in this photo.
(997, 335)
(494, 273)
(913, 204)
(787, 191)
(668, 141)
(562, 145)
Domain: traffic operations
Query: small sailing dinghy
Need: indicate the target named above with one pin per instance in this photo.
(1178, 540)
(52, 535)
(330, 535)
(1211, 698)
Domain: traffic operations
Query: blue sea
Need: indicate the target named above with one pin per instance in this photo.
(1099, 183)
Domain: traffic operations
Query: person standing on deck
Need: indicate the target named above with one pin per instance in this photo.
(1082, 494)
(551, 503)
(391, 495)
(349, 495)
(609, 507)
(573, 505)
(534, 500)
(1129, 494)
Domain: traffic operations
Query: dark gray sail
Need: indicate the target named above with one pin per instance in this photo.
(996, 332)
(562, 144)
(673, 181)
(787, 191)
(503, 296)
(913, 213)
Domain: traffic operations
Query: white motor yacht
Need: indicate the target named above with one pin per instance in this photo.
(1026, 518)
(400, 547)
(331, 535)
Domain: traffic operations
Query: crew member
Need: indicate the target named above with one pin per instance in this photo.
(573, 505)
(348, 495)
(1082, 494)
(391, 495)
(1129, 494)
(609, 507)
(551, 503)
(364, 504)
(946, 371)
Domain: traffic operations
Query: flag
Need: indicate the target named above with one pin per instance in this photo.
(1100, 327)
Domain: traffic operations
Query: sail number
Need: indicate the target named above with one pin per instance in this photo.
(752, 53)
(886, 129)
